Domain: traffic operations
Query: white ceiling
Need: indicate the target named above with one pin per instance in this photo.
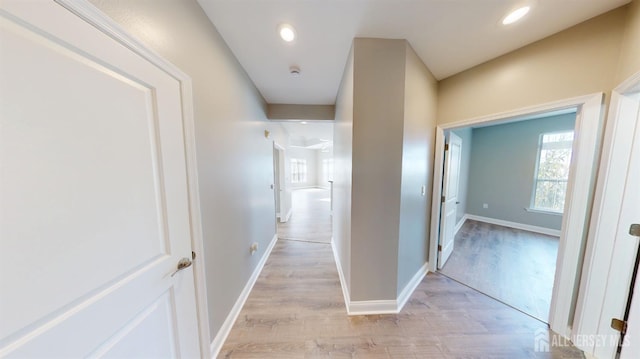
(313, 134)
(448, 35)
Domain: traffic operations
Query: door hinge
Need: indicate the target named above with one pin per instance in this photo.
(193, 255)
(619, 325)
(439, 248)
(446, 147)
(442, 199)
(634, 230)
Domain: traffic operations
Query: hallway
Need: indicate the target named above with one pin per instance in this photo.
(311, 217)
(296, 310)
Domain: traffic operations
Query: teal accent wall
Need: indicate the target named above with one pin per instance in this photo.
(502, 168)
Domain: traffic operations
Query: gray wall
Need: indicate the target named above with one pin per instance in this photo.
(378, 102)
(420, 100)
(383, 152)
(234, 158)
(466, 135)
(342, 171)
(503, 160)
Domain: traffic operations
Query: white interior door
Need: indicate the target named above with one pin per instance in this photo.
(630, 214)
(624, 249)
(450, 195)
(94, 211)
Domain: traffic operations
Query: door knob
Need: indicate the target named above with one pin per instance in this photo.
(182, 264)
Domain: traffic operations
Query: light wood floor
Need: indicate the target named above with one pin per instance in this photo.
(311, 217)
(511, 265)
(296, 310)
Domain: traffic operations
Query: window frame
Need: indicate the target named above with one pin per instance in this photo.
(532, 207)
(299, 171)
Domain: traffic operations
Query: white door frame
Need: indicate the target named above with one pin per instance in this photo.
(606, 210)
(96, 18)
(279, 150)
(578, 201)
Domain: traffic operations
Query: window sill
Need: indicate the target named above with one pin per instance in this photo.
(542, 211)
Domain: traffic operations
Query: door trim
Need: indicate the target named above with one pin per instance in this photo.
(96, 18)
(607, 203)
(579, 196)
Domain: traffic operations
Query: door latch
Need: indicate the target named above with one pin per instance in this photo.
(619, 325)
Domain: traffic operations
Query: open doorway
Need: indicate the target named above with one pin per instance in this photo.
(309, 164)
(505, 187)
(579, 194)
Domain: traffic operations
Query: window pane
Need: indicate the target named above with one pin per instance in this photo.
(558, 137)
(554, 164)
(552, 174)
(550, 195)
(298, 170)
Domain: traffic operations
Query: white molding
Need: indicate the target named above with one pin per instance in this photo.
(95, 17)
(223, 333)
(372, 307)
(460, 223)
(411, 286)
(524, 227)
(578, 201)
(608, 201)
(343, 282)
(586, 150)
(542, 211)
(515, 115)
(391, 306)
(287, 217)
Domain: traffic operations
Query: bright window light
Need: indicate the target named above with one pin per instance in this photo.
(552, 171)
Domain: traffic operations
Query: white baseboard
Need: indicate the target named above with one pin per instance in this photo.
(223, 333)
(369, 307)
(524, 227)
(343, 282)
(286, 218)
(412, 285)
(460, 224)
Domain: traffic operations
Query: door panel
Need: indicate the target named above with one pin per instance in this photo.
(629, 214)
(625, 248)
(450, 192)
(94, 213)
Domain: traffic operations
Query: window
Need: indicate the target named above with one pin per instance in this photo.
(552, 171)
(298, 170)
(327, 169)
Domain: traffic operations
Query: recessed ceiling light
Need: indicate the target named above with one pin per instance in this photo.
(287, 32)
(515, 15)
(303, 122)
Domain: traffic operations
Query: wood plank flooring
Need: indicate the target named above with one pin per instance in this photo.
(296, 310)
(311, 217)
(511, 265)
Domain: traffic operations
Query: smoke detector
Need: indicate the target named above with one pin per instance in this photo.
(294, 71)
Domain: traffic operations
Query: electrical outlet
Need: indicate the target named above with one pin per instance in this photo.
(423, 190)
(485, 205)
(254, 248)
